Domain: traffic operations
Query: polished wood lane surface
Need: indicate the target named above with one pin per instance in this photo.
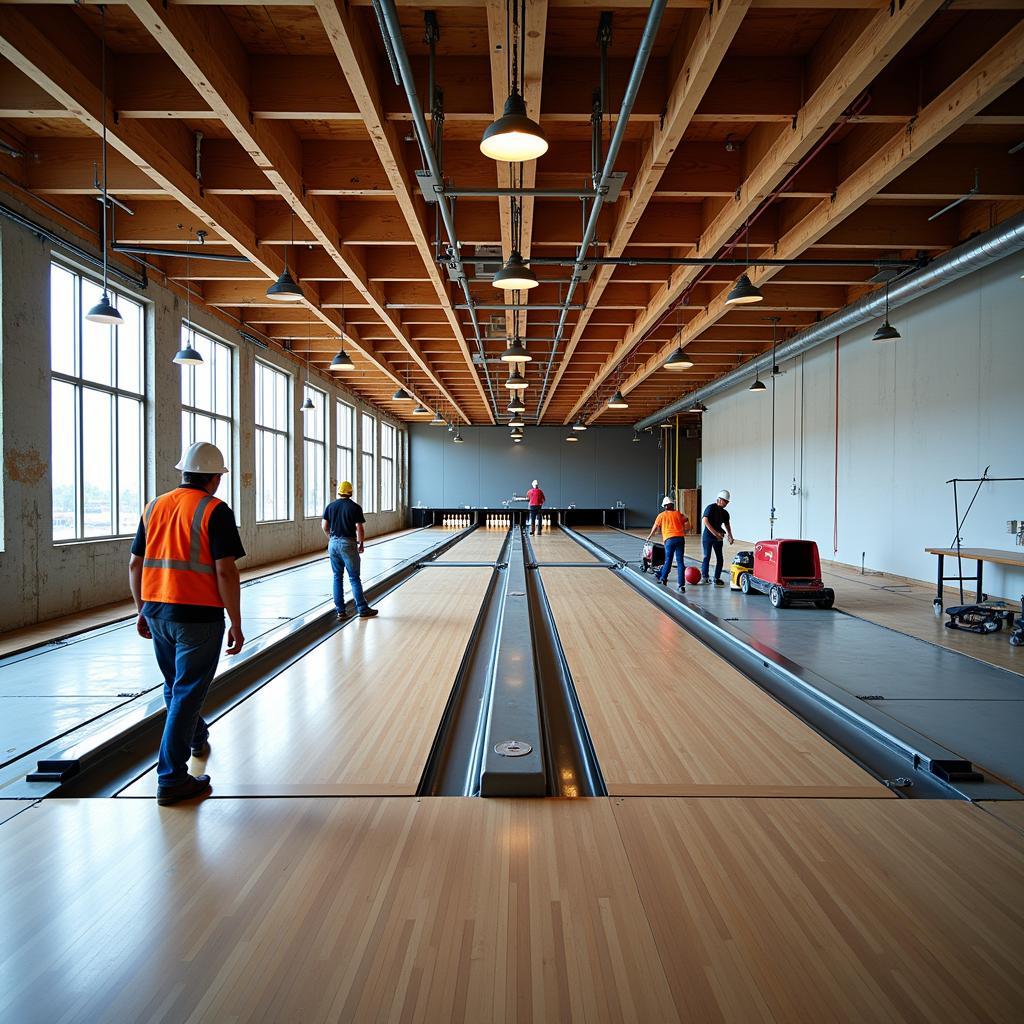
(1010, 811)
(358, 714)
(482, 545)
(555, 546)
(831, 910)
(670, 717)
(324, 910)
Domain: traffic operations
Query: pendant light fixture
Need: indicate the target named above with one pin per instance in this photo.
(516, 353)
(516, 381)
(698, 407)
(515, 275)
(517, 434)
(187, 354)
(636, 436)
(579, 426)
(572, 438)
(514, 137)
(420, 410)
(285, 288)
(617, 401)
(104, 312)
(308, 405)
(758, 386)
(744, 291)
(886, 332)
(516, 405)
(401, 395)
(438, 420)
(679, 360)
(517, 420)
(342, 361)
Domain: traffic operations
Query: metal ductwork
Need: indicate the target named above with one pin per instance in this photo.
(580, 268)
(1001, 241)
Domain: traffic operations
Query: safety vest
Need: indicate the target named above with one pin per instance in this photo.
(178, 567)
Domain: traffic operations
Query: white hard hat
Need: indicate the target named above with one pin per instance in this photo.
(724, 495)
(667, 501)
(202, 457)
(534, 483)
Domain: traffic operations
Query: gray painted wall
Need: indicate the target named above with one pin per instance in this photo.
(604, 467)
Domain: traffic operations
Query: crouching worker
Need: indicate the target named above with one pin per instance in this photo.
(183, 578)
(673, 526)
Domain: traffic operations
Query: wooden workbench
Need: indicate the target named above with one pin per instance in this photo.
(978, 555)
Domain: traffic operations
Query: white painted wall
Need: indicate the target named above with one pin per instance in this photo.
(41, 580)
(945, 401)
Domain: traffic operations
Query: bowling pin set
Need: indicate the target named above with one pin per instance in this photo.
(498, 519)
(457, 520)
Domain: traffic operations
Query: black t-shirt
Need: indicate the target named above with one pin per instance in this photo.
(716, 515)
(342, 516)
(224, 543)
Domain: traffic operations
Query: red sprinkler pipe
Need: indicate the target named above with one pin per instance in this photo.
(835, 477)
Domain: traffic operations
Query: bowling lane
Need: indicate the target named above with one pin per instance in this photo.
(668, 717)
(482, 545)
(556, 546)
(359, 713)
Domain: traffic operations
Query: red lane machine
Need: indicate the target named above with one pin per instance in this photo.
(787, 571)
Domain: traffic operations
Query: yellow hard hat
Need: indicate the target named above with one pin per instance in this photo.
(344, 489)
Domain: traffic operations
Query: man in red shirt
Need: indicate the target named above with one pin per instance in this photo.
(535, 499)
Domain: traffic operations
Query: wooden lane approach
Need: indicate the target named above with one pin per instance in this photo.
(556, 546)
(482, 545)
(464, 910)
(668, 717)
(359, 713)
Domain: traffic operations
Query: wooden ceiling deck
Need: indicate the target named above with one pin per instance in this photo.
(887, 114)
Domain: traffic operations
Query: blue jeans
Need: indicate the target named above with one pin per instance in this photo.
(673, 549)
(187, 653)
(344, 554)
(711, 544)
(535, 517)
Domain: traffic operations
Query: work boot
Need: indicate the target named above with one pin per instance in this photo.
(719, 583)
(343, 616)
(705, 582)
(682, 590)
(194, 785)
(369, 613)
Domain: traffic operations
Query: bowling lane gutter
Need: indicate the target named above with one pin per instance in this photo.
(910, 764)
(107, 756)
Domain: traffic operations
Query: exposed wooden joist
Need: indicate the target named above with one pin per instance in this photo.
(995, 72)
(358, 69)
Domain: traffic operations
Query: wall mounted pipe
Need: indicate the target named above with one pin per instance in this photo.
(657, 9)
(985, 249)
(395, 45)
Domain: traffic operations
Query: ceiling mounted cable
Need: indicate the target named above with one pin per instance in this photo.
(285, 288)
(188, 355)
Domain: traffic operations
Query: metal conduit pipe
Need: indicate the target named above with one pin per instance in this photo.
(628, 99)
(390, 28)
(999, 242)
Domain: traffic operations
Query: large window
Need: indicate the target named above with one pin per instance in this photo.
(314, 452)
(345, 441)
(368, 464)
(387, 467)
(273, 412)
(97, 411)
(206, 394)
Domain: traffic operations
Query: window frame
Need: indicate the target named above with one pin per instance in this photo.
(79, 385)
(368, 478)
(260, 429)
(319, 397)
(348, 452)
(388, 467)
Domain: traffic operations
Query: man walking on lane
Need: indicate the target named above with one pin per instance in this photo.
(343, 523)
(535, 499)
(716, 527)
(183, 578)
(673, 526)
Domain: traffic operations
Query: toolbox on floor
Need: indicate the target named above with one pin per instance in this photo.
(787, 571)
(653, 557)
(986, 617)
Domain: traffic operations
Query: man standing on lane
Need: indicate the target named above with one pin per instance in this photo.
(183, 577)
(343, 523)
(535, 499)
(716, 527)
(673, 526)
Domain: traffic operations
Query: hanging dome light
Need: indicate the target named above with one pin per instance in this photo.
(679, 360)
(573, 438)
(517, 433)
(516, 405)
(666, 424)
(401, 395)
(743, 292)
(636, 436)
(420, 410)
(698, 407)
(516, 381)
(516, 353)
(438, 420)
(285, 288)
(188, 356)
(514, 137)
(308, 405)
(457, 439)
(617, 401)
(886, 333)
(104, 312)
(342, 361)
(517, 420)
(515, 275)
(579, 426)
(758, 386)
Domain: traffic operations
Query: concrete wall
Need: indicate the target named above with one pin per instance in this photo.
(603, 468)
(40, 579)
(945, 401)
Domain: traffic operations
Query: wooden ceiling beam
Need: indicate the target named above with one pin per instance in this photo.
(985, 80)
(856, 48)
(705, 51)
(204, 46)
(360, 73)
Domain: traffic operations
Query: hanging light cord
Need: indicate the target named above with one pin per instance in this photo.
(103, 91)
(771, 518)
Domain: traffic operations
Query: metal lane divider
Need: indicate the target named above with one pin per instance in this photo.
(110, 754)
(906, 761)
